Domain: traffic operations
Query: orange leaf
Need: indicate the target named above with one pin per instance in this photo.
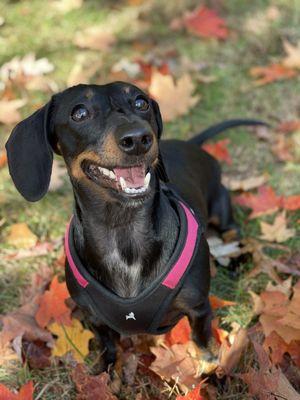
(219, 150)
(271, 73)
(180, 334)
(216, 302)
(3, 159)
(289, 126)
(52, 305)
(292, 203)
(277, 347)
(193, 394)
(25, 393)
(206, 23)
(264, 202)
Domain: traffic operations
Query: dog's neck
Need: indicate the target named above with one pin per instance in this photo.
(122, 246)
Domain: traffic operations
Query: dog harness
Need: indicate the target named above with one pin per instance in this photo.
(144, 313)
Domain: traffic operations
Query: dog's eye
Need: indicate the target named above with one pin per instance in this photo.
(141, 104)
(80, 113)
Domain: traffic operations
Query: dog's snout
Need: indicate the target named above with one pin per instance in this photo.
(136, 142)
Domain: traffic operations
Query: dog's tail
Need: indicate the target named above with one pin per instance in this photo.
(223, 126)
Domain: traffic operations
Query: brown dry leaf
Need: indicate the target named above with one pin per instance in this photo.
(180, 362)
(283, 148)
(20, 236)
(292, 317)
(270, 324)
(164, 89)
(91, 387)
(244, 184)
(278, 231)
(21, 322)
(271, 73)
(7, 355)
(74, 339)
(9, 113)
(95, 38)
(292, 60)
(268, 382)
(284, 287)
(222, 251)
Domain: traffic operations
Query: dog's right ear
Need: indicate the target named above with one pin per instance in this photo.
(30, 155)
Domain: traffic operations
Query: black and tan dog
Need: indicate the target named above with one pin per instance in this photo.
(137, 257)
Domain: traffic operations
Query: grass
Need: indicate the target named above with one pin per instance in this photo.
(34, 26)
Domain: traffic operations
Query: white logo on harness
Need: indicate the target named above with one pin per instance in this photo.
(130, 316)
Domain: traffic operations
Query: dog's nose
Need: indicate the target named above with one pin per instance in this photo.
(136, 142)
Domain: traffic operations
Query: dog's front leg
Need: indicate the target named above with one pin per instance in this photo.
(107, 337)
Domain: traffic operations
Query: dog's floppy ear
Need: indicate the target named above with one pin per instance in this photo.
(157, 117)
(160, 167)
(30, 155)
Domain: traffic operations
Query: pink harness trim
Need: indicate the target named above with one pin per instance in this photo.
(178, 268)
(184, 259)
(80, 279)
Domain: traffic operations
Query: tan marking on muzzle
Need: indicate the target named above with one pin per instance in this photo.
(75, 167)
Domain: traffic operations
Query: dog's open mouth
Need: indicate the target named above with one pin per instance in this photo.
(130, 180)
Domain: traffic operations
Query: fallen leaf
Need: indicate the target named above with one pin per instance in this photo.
(244, 184)
(283, 148)
(216, 302)
(40, 249)
(52, 305)
(91, 387)
(221, 251)
(59, 172)
(3, 159)
(271, 73)
(291, 203)
(292, 60)
(219, 150)
(7, 354)
(289, 126)
(268, 382)
(37, 354)
(206, 23)
(278, 231)
(193, 394)
(180, 334)
(95, 38)
(9, 113)
(21, 322)
(264, 202)
(65, 6)
(72, 338)
(20, 236)
(285, 287)
(276, 347)
(164, 89)
(25, 393)
(292, 316)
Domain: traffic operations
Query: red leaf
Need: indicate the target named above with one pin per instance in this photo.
(271, 73)
(292, 203)
(193, 394)
(216, 302)
(25, 393)
(219, 150)
(206, 23)
(52, 305)
(289, 126)
(148, 69)
(180, 334)
(264, 202)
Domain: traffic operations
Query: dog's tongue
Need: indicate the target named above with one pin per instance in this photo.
(134, 176)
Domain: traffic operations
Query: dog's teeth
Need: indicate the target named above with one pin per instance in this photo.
(147, 180)
(123, 183)
(112, 175)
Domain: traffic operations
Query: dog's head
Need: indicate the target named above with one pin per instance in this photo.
(108, 136)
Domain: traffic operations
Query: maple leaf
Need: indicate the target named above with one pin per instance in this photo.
(52, 305)
(91, 387)
(292, 317)
(278, 231)
(271, 73)
(9, 113)
(206, 23)
(21, 322)
(283, 148)
(244, 184)
(216, 302)
(95, 38)
(219, 150)
(277, 347)
(264, 202)
(164, 89)
(37, 354)
(25, 393)
(292, 60)
(72, 338)
(20, 236)
(291, 203)
(268, 382)
(180, 334)
(193, 394)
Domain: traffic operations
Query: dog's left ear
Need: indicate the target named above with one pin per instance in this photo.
(30, 155)
(160, 167)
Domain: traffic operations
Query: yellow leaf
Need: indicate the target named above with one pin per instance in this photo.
(95, 38)
(175, 99)
(292, 60)
(21, 236)
(278, 232)
(72, 338)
